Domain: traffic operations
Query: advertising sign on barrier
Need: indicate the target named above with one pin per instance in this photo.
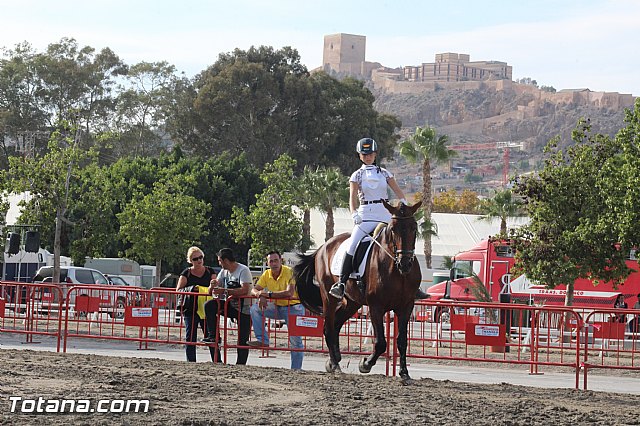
(141, 317)
(485, 334)
(311, 326)
(458, 322)
(422, 316)
(608, 330)
(86, 303)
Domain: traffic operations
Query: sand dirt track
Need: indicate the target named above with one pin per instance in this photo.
(183, 393)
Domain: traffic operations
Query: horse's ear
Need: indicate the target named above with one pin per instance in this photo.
(414, 208)
(393, 210)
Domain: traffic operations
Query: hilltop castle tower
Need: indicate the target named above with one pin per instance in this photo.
(345, 54)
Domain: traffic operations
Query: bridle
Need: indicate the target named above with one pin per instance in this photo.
(397, 254)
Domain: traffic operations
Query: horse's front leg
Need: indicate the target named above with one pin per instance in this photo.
(377, 320)
(402, 340)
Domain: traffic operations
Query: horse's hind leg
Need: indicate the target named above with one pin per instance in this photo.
(331, 337)
(333, 325)
(377, 317)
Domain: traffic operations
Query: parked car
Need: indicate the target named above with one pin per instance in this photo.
(116, 280)
(71, 275)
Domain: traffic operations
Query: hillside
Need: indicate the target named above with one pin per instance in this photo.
(485, 113)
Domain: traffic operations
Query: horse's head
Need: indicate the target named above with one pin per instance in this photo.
(401, 232)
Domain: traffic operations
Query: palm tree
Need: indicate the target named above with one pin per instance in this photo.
(327, 189)
(427, 146)
(502, 205)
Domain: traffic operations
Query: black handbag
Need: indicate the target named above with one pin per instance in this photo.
(187, 303)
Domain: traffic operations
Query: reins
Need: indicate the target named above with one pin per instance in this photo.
(394, 256)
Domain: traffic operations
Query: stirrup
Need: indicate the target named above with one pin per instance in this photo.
(421, 295)
(337, 290)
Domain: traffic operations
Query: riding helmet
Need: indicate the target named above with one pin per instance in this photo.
(366, 146)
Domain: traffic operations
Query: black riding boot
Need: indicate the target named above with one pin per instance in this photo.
(421, 294)
(337, 290)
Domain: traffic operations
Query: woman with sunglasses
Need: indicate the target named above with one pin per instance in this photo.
(200, 276)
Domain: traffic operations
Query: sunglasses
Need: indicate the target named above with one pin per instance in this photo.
(197, 258)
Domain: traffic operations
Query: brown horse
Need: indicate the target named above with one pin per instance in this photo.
(391, 279)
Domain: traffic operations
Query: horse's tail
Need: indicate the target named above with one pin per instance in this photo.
(308, 292)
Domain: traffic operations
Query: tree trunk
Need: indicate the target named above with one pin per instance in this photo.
(427, 206)
(503, 225)
(56, 247)
(158, 272)
(330, 225)
(306, 227)
(568, 301)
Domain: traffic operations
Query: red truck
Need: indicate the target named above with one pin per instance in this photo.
(492, 262)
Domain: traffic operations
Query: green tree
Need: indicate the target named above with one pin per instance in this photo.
(52, 180)
(584, 208)
(271, 223)
(161, 224)
(502, 205)
(75, 84)
(4, 208)
(327, 189)
(20, 101)
(426, 146)
(142, 109)
(264, 103)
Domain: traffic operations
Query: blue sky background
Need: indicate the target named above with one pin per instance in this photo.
(562, 43)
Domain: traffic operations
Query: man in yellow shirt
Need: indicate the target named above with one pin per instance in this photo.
(277, 299)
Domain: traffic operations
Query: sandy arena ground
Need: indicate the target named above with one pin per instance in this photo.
(182, 393)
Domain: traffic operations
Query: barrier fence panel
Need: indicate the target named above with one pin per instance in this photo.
(31, 309)
(532, 336)
(612, 340)
(356, 336)
(495, 333)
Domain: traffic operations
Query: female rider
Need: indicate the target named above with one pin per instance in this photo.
(368, 186)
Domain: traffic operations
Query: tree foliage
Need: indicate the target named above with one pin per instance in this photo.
(52, 180)
(584, 208)
(427, 147)
(264, 102)
(327, 189)
(271, 223)
(161, 224)
(502, 206)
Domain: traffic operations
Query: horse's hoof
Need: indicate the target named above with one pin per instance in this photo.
(331, 367)
(364, 367)
(406, 379)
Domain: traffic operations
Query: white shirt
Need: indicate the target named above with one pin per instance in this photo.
(372, 186)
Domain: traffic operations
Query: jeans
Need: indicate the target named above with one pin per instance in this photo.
(278, 312)
(211, 309)
(191, 323)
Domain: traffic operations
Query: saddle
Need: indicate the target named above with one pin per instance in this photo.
(359, 258)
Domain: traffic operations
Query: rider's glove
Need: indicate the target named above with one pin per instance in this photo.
(404, 201)
(357, 219)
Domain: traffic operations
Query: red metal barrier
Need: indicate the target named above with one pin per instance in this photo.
(32, 309)
(531, 336)
(609, 344)
(495, 333)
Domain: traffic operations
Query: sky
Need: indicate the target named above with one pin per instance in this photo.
(566, 44)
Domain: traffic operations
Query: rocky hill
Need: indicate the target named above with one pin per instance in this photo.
(487, 112)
